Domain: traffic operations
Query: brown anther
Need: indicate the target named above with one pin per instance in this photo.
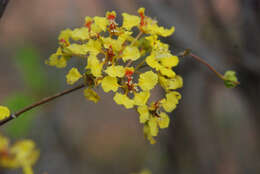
(110, 54)
(88, 25)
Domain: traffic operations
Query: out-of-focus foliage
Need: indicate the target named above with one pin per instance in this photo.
(27, 60)
(22, 125)
(23, 154)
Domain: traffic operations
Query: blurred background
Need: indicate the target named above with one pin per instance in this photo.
(213, 130)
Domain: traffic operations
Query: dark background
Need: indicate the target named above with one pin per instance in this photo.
(213, 130)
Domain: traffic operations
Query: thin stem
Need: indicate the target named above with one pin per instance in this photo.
(208, 65)
(197, 58)
(140, 65)
(41, 102)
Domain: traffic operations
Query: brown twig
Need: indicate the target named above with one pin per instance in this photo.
(208, 65)
(199, 59)
(41, 102)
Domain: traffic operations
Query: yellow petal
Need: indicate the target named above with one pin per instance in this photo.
(4, 112)
(131, 53)
(141, 98)
(94, 46)
(153, 126)
(122, 99)
(76, 49)
(57, 60)
(115, 71)
(109, 84)
(130, 21)
(73, 76)
(115, 43)
(101, 22)
(80, 34)
(163, 120)
(151, 61)
(25, 152)
(167, 72)
(65, 35)
(91, 95)
(144, 113)
(148, 80)
(171, 84)
(172, 99)
(94, 65)
(170, 61)
(164, 32)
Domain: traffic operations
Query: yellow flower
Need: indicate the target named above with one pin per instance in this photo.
(4, 113)
(147, 133)
(91, 95)
(80, 34)
(169, 60)
(25, 152)
(125, 36)
(122, 99)
(161, 30)
(54, 60)
(148, 80)
(130, 21)
(141, 98)
(109, 84)
(76, 49)
(93, 46)
(144, 113)
(172, 99)
(171, 84)
(57, 59)
(150, 26)
(115, 71)
(100, 24)
(163, 120)
(131, 53)
(167, 72)
(115, 43)
(65, 35)
(94, 65)
(73, 76)
(152, 62)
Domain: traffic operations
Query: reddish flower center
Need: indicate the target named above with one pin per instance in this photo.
(110, 53)
(64, 41)
(88, 25)
(129, 76)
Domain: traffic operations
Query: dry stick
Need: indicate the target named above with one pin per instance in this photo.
(45, 100)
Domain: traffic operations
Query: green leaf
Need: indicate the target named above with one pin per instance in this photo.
(230, 79)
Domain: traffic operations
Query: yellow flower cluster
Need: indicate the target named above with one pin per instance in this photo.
(22, 154)
(127, 62)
